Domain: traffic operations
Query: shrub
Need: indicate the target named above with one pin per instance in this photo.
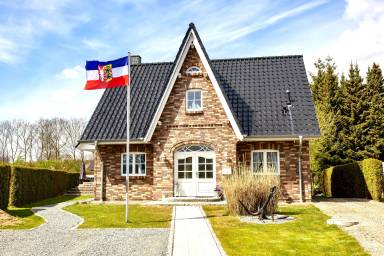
(68, 165)
(358, 179)
(249, 188)
(29, 185)
(5, 174)
(373, 175)
(345, 180)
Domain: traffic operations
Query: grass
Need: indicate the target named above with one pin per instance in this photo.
(27, 219)
(113, 216)
(307, 235)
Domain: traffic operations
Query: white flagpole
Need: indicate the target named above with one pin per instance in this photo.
(128, 124)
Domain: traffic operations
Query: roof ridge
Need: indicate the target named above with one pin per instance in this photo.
(260, 57)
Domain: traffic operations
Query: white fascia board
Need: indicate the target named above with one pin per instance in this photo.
(215, 84)
(277, 138)
(90, 146)
(180, 61)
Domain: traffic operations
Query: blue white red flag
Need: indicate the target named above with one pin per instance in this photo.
(107, 74)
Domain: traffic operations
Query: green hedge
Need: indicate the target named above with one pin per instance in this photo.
(373, 175)
(29, 185)
(5, 174)
(359, 179)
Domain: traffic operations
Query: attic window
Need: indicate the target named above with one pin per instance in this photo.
(193, 71)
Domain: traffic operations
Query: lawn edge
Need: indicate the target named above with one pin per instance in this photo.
(171, 236)
(217, 241)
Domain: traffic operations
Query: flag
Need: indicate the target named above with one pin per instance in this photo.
(108, 74)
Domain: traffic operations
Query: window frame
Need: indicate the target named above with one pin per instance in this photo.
(201, 100)
(133, 164)
(265, 151)
(193, 73)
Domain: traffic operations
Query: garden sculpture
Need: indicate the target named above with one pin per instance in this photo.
(262, 210)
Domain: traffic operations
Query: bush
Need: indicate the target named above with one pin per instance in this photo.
(68, 165)
(373, 176)
(250, 189)
(5, 174)
(29, 185)
(359, 179)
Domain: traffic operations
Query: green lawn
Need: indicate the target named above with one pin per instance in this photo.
(113, 215)
(28, 219)
(307, 235)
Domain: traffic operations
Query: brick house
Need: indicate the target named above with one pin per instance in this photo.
(195, 119)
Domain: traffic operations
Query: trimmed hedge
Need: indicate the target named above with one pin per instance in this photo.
(29, 185)
(358, 179)
(5, 174)
(373, 175)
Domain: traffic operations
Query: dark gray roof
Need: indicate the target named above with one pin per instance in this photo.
(255, 89)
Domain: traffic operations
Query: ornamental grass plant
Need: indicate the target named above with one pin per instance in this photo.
(251, 189)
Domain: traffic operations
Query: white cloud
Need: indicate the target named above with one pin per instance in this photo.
(54, 98)
(72, 73)
(34, 20)
(362, 41)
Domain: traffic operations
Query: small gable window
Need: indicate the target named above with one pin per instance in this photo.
(194, 100)
(192, 71)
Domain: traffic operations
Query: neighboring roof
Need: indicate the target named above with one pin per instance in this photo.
(255, 89)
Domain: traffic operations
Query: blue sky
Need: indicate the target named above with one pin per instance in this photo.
(44, 43)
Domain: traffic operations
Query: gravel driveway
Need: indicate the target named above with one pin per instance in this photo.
(57, 237)
(370, 215)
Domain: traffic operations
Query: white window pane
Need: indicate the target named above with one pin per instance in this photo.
(197, 95)
(190, 104)
(272, 163)
(257, 156)
(197, 104)
(190, 96)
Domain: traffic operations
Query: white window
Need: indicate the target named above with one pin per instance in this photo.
(137, 164)
(194, 100)
(265, 162)
(193, 71)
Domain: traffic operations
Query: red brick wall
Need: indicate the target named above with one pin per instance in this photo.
(140, 188)
(211, 127)
(289, 177)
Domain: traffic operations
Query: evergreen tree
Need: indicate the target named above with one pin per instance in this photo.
(373, 135)
(326, 95)
(352, 119)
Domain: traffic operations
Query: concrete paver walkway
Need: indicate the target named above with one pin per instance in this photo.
(370, 215)
(57, 237)
(192, 234)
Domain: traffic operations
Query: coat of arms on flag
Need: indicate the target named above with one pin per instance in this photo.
(105, 73)
(108, 74)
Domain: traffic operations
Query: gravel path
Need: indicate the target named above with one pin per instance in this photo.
(370, 215)
(57, 237)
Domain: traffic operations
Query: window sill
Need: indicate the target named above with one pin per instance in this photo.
(133, 176)
(194, 112)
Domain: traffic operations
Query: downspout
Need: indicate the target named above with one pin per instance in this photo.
(300, 171)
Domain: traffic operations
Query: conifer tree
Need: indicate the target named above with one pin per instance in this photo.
(352, 109)
(326, 94)
(373, 134)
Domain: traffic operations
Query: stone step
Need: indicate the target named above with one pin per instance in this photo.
(193, 199)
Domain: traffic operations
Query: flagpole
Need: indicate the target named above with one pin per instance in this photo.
(128, 124)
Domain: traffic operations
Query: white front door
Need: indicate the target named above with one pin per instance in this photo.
(195, 173)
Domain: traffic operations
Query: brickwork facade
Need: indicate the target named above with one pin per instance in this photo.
(289, 159)
(176, 128)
